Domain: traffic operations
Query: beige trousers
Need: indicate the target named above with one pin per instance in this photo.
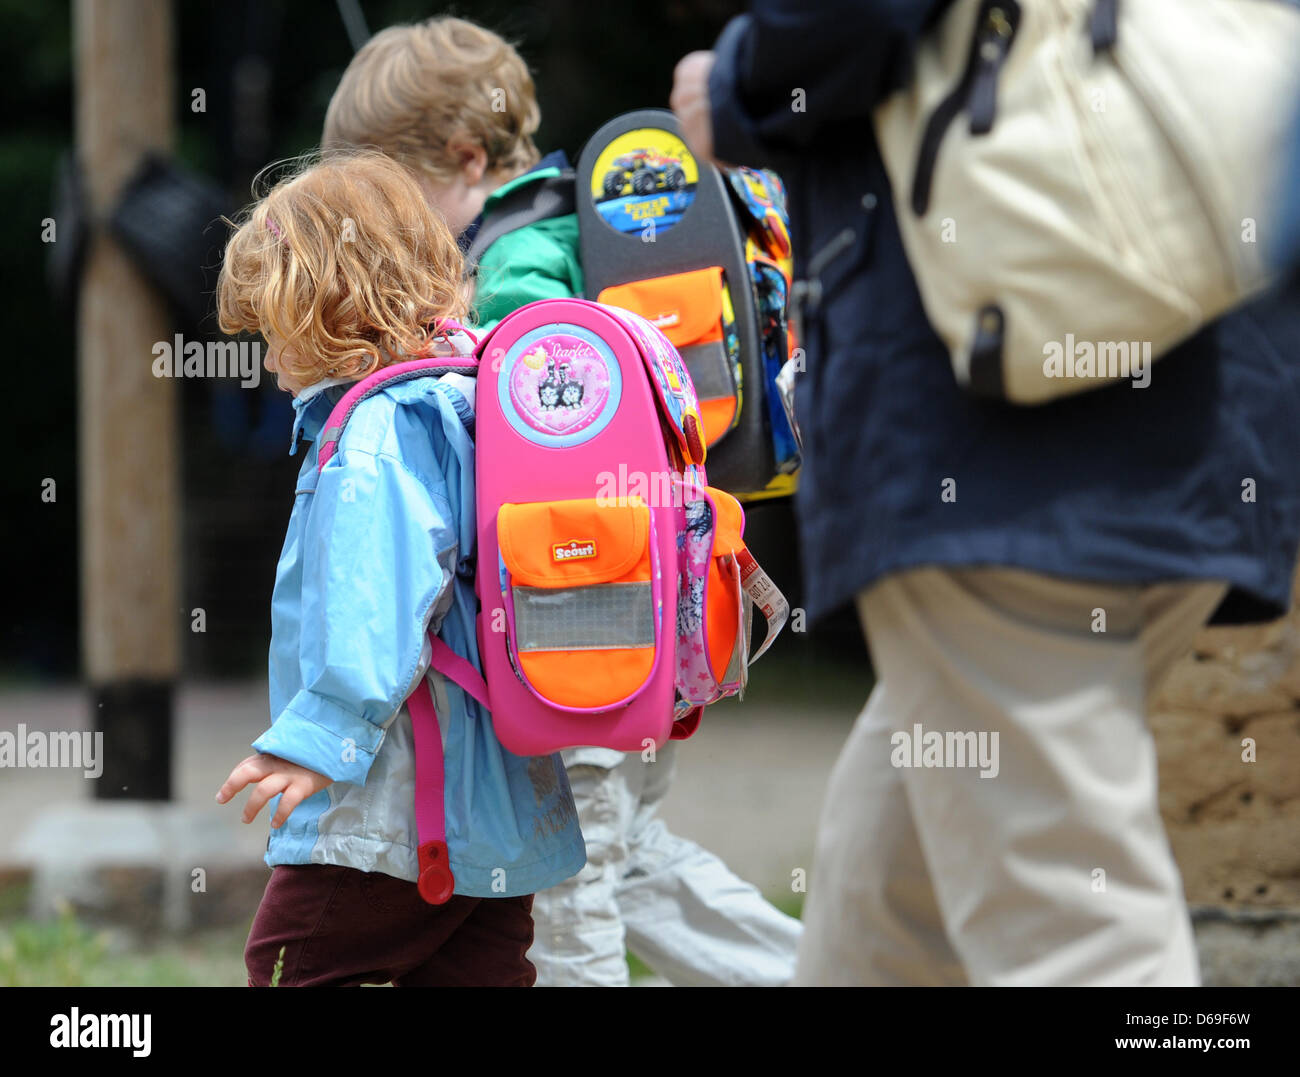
(948, 855)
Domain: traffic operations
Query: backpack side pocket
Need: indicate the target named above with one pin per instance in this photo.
(712, 607)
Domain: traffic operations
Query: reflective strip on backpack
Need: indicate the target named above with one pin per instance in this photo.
(709, 369)
(604, 617)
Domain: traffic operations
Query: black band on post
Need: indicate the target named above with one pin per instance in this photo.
(135, 717)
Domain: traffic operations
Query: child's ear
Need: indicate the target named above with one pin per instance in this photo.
(471, 158)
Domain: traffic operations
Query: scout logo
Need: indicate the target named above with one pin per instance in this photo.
(666, 319)
(573, 550)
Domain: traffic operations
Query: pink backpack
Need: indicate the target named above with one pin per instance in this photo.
(614, 583)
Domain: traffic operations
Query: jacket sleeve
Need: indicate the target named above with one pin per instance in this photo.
(377, 547)
(539, 261)
(791, 72)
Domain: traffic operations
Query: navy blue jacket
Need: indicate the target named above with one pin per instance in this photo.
(1288, 245)
(1116, 485)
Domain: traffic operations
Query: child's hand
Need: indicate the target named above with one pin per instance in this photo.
(272, 775)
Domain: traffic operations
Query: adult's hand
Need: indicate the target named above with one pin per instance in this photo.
(690, 101)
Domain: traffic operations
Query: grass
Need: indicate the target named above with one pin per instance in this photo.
(67, 953)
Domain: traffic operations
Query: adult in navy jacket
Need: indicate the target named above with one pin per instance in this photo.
(1025, 575)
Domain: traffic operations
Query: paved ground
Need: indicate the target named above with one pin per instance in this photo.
(749, 784)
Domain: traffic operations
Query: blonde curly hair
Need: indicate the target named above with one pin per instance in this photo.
(343, 268)
(413, 92)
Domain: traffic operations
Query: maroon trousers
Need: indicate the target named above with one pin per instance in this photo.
(341, 927)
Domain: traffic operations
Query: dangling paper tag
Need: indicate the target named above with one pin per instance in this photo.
(744, 618)
(765, 595)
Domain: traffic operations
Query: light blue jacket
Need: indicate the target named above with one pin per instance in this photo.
(376, 552)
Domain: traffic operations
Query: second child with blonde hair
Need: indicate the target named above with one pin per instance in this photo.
(455, 104)
(345, 269)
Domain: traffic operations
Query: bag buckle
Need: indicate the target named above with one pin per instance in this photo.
(436, 883)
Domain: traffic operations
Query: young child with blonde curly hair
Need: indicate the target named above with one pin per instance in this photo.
(455, 103)
(344, 269)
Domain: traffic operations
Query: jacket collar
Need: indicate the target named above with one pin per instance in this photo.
(312, 407)
(552, 164)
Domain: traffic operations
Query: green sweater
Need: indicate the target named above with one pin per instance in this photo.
(538, 261)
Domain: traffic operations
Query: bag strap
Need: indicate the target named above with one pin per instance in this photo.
(1103, 26)
(555, 196)
(436, 882)
(376, 382)
(459, 671)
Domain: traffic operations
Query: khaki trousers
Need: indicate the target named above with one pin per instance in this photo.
(1054, 867)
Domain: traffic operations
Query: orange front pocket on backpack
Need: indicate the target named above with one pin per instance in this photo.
(691, 309)
(579, 582)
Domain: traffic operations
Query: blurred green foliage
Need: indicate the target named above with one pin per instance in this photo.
(65, 952)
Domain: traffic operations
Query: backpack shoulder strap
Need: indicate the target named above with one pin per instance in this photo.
(374, 383)
(460, 671)
(554, 196)
(436, 883)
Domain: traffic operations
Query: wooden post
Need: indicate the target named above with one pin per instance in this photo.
(127, 418)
